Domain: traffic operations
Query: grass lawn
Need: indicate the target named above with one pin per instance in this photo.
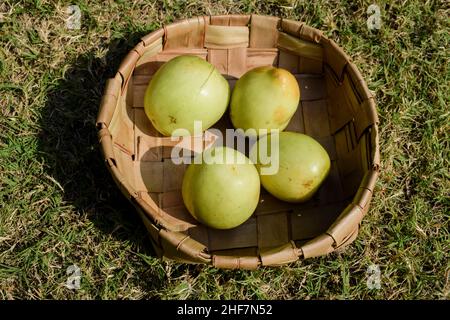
(59, 205)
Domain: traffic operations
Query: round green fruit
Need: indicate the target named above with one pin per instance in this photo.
(303, 166)
(184, 90)
(223, 190)
(264, 98)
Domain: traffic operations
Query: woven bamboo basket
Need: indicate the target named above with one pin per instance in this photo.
(336, 108)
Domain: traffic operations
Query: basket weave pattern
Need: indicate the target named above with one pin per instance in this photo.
(336, 108)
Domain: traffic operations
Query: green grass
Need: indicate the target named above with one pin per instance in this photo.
(59, 205)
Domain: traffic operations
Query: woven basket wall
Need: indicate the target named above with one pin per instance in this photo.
(336, 108)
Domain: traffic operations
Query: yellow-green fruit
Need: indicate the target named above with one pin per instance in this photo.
(223, 191)
(184, 90)
(264, 98)
(303, 166)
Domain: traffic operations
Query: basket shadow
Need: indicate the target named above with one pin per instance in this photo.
(69, 147)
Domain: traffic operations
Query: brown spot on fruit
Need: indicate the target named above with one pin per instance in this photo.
(308, 183)
(172, 119)
(280, 115)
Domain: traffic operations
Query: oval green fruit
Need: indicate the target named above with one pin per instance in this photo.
(223, 190)
(303, 166)
(264, 98)
(184, 90)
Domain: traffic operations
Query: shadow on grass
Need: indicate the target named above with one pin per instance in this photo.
(69, 146)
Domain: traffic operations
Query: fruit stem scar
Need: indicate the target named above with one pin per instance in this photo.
(172, 119)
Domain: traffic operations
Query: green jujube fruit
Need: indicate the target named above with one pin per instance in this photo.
(264, 98)
(185, 89)
(224, 194)
(303, 166)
